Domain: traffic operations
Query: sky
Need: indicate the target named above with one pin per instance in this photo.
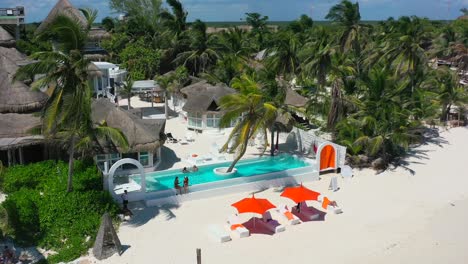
(276, 10)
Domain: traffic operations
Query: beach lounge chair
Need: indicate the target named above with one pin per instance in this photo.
(219, 234)
(183, 142)
(272, 224)
(292, 219)
(189, 137)
(171, 138)
(236, 226)
(328, 207)
(306, 212)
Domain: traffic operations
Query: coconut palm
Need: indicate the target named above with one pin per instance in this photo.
(127, 90)
(67, 112)
(177, 20)
(347, 15)
(259, 28)
(164, 81)
(253, 116)
(283, 56)
(201, 55)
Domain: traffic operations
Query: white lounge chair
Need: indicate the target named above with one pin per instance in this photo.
(219, 234)
(286, 214)
(189, 137)
(272, 224)
(183, 142)
(327, 207)
(236, 226)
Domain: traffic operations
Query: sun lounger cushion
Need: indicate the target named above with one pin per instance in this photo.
(292, 219)
(235, 225)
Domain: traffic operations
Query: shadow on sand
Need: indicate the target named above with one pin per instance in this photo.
(143, 214)
(307, 211)
(256, 225)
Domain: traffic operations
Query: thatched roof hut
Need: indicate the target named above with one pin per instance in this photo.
(62, 7)
(98, 34)
(16, 97)
(16, 130)
(6, 40)
(202, 96)
(142, 134)
(294, 99)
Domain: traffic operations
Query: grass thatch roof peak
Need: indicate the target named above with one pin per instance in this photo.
(142, 135)
(6, 40)
(62, 7)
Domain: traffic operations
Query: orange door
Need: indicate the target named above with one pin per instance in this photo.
(327, 157)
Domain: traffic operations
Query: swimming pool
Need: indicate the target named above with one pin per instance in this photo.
(164, 180)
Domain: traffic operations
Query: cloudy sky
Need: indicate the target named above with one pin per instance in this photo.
(279, 10)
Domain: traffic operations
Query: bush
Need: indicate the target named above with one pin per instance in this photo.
(23, 216)
(41, 212)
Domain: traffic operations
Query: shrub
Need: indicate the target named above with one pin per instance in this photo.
(23, 216)
(41, 212)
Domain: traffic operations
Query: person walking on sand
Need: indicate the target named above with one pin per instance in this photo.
(186, 183)
(177, 185)
(126, 211)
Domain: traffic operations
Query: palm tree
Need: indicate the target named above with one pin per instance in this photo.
(450, 91)
(201, 55)
(177, 20)
(254, 116)
(347, 15)
(164, 81)
(127, 90)
(259, 27)
(67, 112)
(283, 57)
(404, 48)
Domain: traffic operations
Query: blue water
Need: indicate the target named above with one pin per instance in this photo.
(164, 180)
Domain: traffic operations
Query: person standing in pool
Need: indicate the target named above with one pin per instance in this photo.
(177, 185)
(186, 183)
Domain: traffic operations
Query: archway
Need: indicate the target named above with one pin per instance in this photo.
(115, 166)
(326, 154)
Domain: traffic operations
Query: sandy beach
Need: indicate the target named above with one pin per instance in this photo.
(412, 214)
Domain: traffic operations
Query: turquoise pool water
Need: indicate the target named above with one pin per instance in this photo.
(164, 180)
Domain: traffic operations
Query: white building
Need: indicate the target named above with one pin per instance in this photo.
(111, 77)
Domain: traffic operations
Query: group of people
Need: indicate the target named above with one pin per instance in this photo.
(185, 185)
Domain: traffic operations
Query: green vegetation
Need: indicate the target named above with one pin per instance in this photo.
(40, 211)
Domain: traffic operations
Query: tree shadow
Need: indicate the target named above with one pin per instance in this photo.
(170, 158)
(143, 214)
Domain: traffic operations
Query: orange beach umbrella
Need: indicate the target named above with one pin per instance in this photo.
(300, 194)
(253, 205)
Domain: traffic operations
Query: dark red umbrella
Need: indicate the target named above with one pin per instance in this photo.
(300, 194)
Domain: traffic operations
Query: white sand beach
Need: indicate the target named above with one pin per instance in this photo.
(393, 217)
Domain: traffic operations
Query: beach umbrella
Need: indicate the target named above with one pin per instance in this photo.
(253, 205)
(300, 194)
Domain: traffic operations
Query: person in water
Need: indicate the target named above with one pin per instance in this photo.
(177, 185)
(184, 170)
(186, 184)
(194, 168)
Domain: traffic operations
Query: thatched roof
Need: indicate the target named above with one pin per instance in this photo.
(6, 40)
(16, 130)
(16, 97)
(97, 34)
(142, 134)
(62, 7)
(464, 17)
(202, 96)
(294, 99)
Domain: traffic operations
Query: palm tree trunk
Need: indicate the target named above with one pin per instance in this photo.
(277, 140)
(241, 154)
(272, 149)
(71, 153)
(166, 106)
(128, 102)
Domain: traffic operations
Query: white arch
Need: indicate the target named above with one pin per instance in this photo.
(110, 180)
(319, 153)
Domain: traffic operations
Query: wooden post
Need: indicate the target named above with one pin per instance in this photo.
(9, 157)
(21, 157)
(198, 255)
